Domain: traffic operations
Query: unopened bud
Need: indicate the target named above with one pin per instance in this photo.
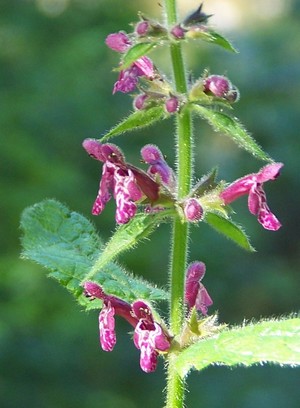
(218, 85)
(139, 101)
(221, 87)
(178, 32)
(193, 211)
(118, 41)
(142, 28)
(172, 104)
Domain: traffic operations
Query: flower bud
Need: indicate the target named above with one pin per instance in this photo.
(192, 210)
(142, 28)
(139, 101)
(217, 85)
(178, 32)
(172, 104)
(118, 41)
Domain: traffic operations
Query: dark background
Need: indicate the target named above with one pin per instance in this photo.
(56, 80)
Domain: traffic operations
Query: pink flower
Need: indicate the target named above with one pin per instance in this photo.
(195, 292)
(127, 183)
(252, 184)
(149, 337)
(128, 78)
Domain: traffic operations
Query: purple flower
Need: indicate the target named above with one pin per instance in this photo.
(252, 184)
(111, 306)
(127, 183)
(153, 156)
(128, 78)
(195, 293)
(149, 337)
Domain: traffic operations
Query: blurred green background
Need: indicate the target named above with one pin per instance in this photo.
(55, 81)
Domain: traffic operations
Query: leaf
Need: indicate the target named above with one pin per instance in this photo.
(67, 244)
(135, 52)
(206, 183)
(272, 341)
(127, 236)
(136, 120)
(233, 128)
(211, 37)
(228, 228)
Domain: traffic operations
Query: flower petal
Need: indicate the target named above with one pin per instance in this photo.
(269, 172)
(107, 327)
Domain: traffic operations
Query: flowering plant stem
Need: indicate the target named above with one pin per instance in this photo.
(175, 385)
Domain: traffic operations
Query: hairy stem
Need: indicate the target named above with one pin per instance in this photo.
(175, 385)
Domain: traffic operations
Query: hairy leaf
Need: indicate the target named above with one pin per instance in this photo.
(127, 236)
(212, 37)
(135, 52)
(228, 228)
(273, 341)
(67, 244)
(136, 120)
(233, 128)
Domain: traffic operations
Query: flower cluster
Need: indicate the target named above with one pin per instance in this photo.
(128, 183)
(128, 78)
(149, 336)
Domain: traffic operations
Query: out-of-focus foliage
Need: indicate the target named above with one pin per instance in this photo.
(56, 80)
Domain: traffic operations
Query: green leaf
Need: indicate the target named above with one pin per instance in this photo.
(212, 37)
(228, 228)
(273, 341)
(127, 236)
(135, 52)
(233, 128)
(136, 120)
(67, 244)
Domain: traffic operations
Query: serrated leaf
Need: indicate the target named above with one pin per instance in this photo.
(233, 128)
(228, 228)
(212, 37)
(127, 236)
(136, 120)
(273, 341)
(67, 244)
(135, 52)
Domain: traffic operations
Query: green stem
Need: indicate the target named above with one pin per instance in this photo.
(175, 385)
